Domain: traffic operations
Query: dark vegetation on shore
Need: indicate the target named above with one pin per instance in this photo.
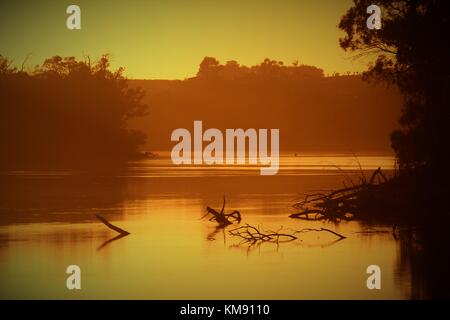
(67, 113)
(412, 49)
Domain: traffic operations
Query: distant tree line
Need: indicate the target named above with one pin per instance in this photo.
(67, 113)
(211, 68)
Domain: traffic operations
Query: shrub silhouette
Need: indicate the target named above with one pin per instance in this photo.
(67, 113)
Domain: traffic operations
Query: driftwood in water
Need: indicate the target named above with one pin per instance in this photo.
(111, 226)
(122, 233)
(345, 203)
(222, 218)
(340, 236)
(253, 235)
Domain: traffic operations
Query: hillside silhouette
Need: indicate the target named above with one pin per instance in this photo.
(67, 113)
(315, 113)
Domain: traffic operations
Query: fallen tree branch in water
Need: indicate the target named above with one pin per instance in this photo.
(111, 226)
(253, 235)
(222, 218)
(345, 203)
(340, 236)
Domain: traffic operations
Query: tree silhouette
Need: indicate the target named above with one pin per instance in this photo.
(67, 113)
(210, 68)
(413, 51)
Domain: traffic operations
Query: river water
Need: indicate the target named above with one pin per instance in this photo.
(47, 222)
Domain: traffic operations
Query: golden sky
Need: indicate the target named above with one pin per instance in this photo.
(167, 39)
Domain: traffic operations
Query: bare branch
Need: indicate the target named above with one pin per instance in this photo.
(111, 226)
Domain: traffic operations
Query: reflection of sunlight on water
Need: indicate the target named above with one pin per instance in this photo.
(289, 165)
(170, 252)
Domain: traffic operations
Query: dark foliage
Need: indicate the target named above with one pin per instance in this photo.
(67, 113)
(413, 48)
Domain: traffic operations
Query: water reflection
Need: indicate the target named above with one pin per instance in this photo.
(48, 222)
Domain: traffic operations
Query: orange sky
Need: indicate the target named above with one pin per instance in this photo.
(168, 39)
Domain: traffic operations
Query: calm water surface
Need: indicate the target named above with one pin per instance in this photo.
(47, 223)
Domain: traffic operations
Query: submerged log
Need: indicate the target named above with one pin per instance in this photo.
(111, 226)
